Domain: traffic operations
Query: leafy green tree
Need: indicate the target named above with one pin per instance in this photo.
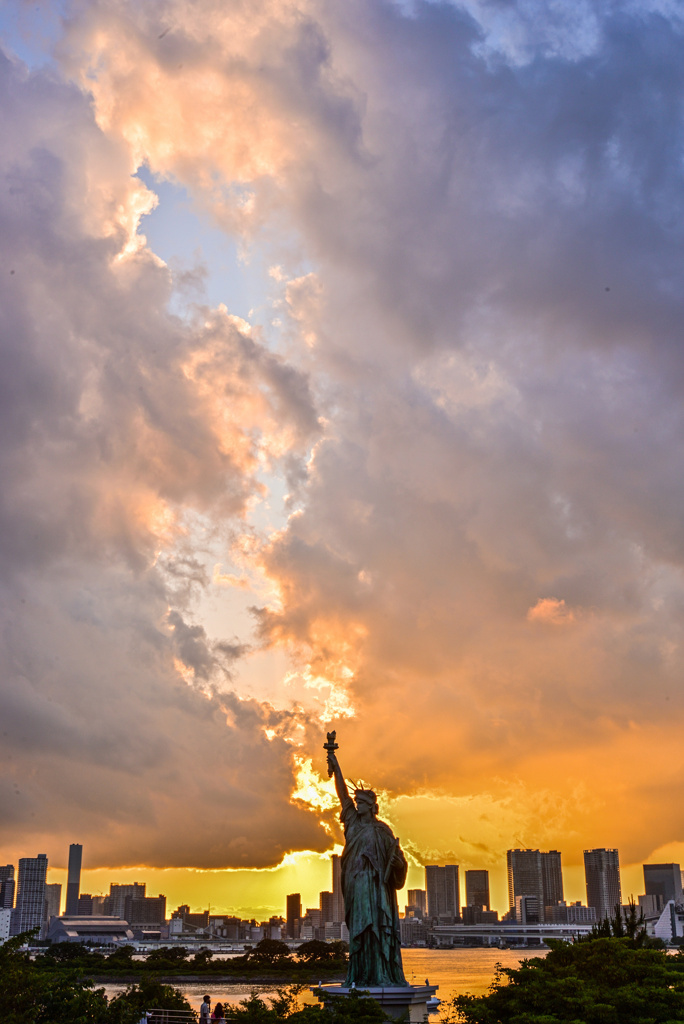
(285, 1003)
(317, 952)
(70, 954)
(341, 949)
(62, 952)
(352, 1009)
(49, 991)
(173, 956)
(605, 981)
(20, 984)
(128, 1007)
(66, 999)
(631, 926)
(28, 993)
(270, 953)
(201, 959)
(121, 958)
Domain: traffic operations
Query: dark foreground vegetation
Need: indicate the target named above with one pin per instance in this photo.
(31, 994)
(54, 989)
(601, 980)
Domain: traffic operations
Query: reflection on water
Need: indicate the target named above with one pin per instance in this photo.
(456, 971)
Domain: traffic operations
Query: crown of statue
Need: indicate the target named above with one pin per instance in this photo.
(360, 793)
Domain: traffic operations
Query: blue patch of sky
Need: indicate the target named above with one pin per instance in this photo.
(30, 30)
(185, 238)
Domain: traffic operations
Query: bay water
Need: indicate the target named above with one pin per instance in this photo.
(456, 971)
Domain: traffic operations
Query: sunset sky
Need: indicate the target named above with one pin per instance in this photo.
(342, 386)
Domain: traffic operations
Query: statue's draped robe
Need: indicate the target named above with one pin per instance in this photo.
(373, 868)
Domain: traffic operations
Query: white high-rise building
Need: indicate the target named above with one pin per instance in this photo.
(29, 911)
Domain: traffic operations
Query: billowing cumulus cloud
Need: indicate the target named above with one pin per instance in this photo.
(474, 218)
(122, 427)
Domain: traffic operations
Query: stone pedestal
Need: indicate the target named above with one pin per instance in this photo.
(409, 1002)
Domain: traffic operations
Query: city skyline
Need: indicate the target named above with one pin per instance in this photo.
(546, 875)
(341, 388)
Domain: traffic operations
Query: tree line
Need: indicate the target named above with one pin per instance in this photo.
(269, 956)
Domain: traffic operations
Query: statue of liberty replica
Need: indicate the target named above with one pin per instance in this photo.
(373, 868)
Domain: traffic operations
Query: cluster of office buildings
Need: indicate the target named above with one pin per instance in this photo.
(37, 904)
(128, 914)
(326, 921)
(537, 908)
(435, 915)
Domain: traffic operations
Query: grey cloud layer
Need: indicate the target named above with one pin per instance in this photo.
(118, 420)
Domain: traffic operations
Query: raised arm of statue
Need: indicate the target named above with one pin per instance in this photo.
(340, 784)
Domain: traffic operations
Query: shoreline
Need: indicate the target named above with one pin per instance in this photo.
(223, 979)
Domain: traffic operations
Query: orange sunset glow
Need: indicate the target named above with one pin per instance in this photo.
(341, 389)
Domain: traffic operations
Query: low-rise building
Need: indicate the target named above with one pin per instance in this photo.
(504, 934)
(478, 915)
(669, 926)
(570, 913)
(414, 931)
(99, 930)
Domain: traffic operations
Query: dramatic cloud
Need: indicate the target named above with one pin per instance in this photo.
(470, 378)
(124, 426)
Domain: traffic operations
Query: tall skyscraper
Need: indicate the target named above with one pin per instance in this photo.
(525, 878)
(552, 878)
(7, 887)
(443, 896)
(418, 898)
(73, 879)
(602, 872)
(294, 914)
(30, 906)
(477, 888)
(53, 899)
(663, 880)
(116, 901)
(326, 903)
(338, 904)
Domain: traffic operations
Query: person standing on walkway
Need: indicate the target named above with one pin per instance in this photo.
(205, 1011)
